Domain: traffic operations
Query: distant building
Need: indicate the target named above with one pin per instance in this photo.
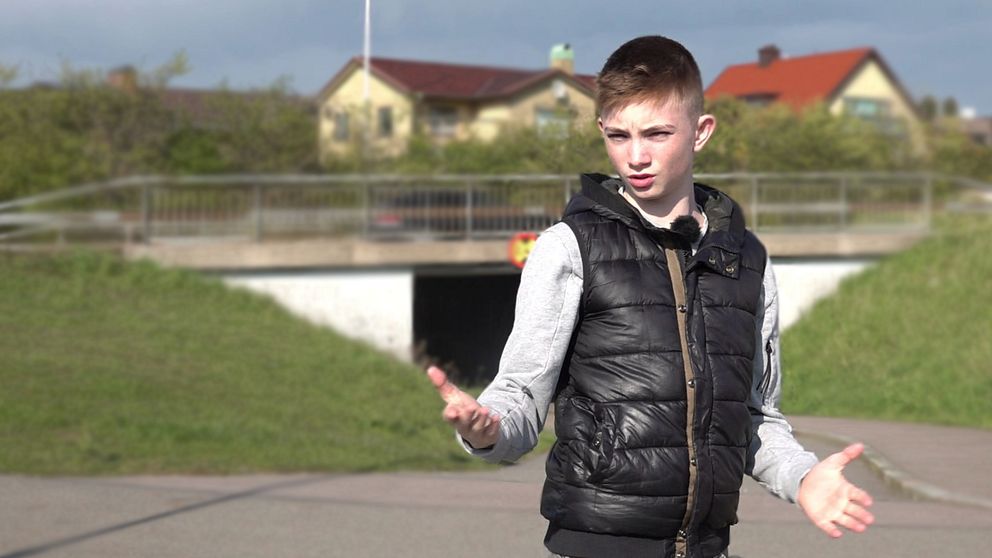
(856, 81)
(448, 101)
(203, 107)
(979, 129)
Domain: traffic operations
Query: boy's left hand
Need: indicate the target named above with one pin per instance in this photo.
(829, 500)
(476, 424)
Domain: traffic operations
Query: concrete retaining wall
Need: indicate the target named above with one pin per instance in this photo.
(375, 306)
(802, 283)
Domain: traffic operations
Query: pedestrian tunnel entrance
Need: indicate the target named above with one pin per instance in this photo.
(462, 317)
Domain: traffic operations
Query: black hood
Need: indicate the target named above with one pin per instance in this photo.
(600, 195)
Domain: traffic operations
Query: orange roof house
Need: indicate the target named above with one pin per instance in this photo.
(856, 81)
(447, 101)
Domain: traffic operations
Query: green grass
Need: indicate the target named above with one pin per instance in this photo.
(910, 339)
(109, 367)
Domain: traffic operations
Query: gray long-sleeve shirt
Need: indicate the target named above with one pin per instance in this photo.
(546, 313)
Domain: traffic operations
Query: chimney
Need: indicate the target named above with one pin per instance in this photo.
(124, 79)
(768, 54)
(563, 58)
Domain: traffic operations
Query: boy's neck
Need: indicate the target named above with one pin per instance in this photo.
(660, 212)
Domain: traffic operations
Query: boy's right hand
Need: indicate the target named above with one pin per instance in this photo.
(478, 425)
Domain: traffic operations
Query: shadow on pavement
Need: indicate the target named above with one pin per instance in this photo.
(39, 549)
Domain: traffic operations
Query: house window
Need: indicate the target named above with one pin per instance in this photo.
(866, 108)
(552, 122)
(442, 121)
(759, 99)
(341, 132)
(385, 122)
(878, 112)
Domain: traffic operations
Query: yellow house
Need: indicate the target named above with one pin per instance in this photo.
(855, 81)
(447, 101)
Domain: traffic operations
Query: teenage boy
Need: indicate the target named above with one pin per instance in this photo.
(649, 315)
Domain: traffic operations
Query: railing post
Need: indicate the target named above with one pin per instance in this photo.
(928, 201)
(468, 210)
(843, 202)
(568, 189)
(257, 203)
(366, 208)
(754, 203)
(146, 213)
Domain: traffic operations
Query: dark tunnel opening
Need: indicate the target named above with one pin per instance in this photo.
(461, 319)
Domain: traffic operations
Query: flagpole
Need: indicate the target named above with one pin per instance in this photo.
(367, 103)
(368, 46)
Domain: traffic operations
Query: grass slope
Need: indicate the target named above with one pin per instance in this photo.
(111, 367)
(909, 339)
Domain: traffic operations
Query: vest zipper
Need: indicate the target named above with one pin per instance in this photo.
(681, 311)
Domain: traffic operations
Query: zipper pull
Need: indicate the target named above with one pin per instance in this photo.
(766, 379)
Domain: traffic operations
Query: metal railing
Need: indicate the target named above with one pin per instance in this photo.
(260, 207)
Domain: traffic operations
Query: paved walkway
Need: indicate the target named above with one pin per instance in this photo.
(487, 514)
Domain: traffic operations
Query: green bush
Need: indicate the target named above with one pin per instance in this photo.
(779, 139)
(84, 130)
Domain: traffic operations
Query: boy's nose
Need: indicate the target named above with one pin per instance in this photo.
(639, 156)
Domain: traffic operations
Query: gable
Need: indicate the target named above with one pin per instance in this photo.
(872, 80)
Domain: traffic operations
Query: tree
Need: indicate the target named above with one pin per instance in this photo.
(7, 75)
(779, 138)
(928, 108)
(950, 107)
(85, 129)
(267, 130)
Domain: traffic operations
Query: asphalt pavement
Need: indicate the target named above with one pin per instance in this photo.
(932, 488)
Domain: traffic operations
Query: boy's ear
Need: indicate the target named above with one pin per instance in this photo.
(704, 130)
(599, 122)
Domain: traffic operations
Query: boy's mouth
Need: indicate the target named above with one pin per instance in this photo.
(640, 181)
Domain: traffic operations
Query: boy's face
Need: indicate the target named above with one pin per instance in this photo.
(652, 146)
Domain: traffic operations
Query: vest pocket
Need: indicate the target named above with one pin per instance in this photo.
(588, 450)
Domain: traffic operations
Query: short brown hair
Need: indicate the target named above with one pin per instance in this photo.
(649, 68)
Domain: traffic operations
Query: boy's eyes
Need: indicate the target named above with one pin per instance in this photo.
(653, 135)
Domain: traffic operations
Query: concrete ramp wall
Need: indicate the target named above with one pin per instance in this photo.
(375, 306)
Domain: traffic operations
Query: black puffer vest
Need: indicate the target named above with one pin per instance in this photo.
(648, 447)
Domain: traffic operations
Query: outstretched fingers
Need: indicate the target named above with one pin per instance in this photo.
(829, 528)
(842, 458)
(859, 496)
(853, 518)
(859, 514)
(448, 391)
(475, 423)
(830, 500)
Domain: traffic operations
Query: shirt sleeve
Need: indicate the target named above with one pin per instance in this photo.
(545, 316)
(775, 459)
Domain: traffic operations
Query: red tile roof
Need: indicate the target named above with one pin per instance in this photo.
(797, 81)
(455, 81)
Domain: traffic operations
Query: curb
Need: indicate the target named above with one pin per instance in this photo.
(899, 479)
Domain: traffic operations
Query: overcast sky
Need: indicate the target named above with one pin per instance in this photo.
(933, 47)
